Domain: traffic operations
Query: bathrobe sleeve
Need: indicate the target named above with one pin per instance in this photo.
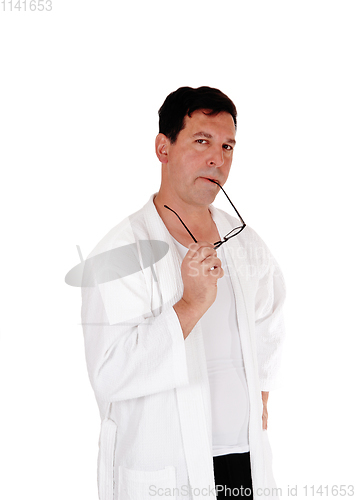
(131, 351)
(269, 323)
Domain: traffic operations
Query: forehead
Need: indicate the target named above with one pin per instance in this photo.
(219, 124)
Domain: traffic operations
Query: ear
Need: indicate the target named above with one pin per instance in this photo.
(162, 146)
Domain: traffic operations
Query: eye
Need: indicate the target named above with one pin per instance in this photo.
(201, 141)
(228, 147)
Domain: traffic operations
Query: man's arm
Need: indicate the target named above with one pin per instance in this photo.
(134, 357)
(129, 358)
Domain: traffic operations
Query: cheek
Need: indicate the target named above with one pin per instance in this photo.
(193, 160)
(187, 163)
(229, 161)
(227, 165)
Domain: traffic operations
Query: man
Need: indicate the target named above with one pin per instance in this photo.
(182, 353)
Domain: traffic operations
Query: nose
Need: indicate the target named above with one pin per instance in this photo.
(216, 157)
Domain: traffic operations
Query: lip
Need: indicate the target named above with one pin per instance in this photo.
(211, 179)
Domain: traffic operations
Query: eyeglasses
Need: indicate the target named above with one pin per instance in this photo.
(231, 234)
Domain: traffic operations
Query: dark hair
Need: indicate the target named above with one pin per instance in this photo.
(185, 101)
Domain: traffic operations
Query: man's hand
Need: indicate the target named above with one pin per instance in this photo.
(200, 270)
(264, 413)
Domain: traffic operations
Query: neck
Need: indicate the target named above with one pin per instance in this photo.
(197, 218)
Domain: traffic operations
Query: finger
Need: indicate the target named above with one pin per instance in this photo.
(212, 267)
(216, 272)
(211, 262)
(206, 252)
(197, 247)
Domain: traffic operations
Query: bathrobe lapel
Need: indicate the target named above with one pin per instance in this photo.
(193, 399)
(244, 281)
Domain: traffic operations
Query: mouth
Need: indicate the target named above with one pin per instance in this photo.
(211, 179)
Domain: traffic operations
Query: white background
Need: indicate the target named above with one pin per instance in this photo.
(79, 92)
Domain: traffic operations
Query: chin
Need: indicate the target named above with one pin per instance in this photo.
(206, 199)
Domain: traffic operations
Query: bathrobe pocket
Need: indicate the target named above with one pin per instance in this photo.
(145, 485)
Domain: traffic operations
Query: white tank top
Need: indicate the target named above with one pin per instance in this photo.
(227, 378)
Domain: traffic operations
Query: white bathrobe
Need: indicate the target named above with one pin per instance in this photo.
(152, 386)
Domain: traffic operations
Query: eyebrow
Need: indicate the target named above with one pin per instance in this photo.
(209, 136)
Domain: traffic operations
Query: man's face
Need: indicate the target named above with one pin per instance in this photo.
(203, 150)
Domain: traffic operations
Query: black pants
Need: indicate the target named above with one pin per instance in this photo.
(233, 476)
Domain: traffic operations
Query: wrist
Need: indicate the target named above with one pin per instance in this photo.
(188, 315)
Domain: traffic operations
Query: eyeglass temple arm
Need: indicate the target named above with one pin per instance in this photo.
(225, 193)
(195, 241)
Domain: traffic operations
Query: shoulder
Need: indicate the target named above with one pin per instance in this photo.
(247, 237)
(125, 232)
(248, 248)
